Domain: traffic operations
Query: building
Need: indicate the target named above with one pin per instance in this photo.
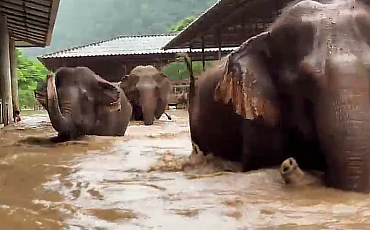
(116, 57)
(23, 23)
(228, 23)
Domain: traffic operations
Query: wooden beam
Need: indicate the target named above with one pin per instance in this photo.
(6, 6)
(46, 3)
(203, 55)
(5, 75)
(26, 5)
(24, 35)
(53, 15)
(26, 17)
(25, 39)
(221, 11)
(27, 23)
(14, 75)
(219, 42)
(252, 8)
(26, 29)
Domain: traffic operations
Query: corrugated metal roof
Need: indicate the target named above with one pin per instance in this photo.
(224, 14)
(30, 22)
(124, 45)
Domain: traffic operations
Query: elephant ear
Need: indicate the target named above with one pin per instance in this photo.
(247, 82)
(108, 94)
(128, 82)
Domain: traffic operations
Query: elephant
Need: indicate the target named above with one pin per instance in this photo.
(148, 90)
(80, 102)
(316, 91)
(216, 129)
(303, 85)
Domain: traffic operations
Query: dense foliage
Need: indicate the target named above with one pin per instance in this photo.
(30, 73)
(182, 24)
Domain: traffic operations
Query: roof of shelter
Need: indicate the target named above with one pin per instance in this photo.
(123, 45)
(229, 22)
(30, 22)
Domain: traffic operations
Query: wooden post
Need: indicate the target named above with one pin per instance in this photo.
(190, 54)
(203, 55)
(5, 75)
(219, 43)
(14, 75)
(125, 69)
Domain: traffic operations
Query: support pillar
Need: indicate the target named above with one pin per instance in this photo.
(203, 55)
(125, 69)
(14, 75)
(191, 54)
(5, 75)
(219, 40)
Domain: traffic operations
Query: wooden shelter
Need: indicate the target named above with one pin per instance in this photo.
(116, 57)
(23, 23)
(228, 23)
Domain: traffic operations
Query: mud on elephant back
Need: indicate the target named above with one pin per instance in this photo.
(79, 102)
(302, 88)
(148, 91)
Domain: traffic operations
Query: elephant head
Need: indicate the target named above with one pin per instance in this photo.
(310, 71)
(72, 98)
(148, 90)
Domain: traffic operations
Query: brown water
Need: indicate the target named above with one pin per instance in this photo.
(139, 182)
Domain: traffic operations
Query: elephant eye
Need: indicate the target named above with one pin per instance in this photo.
(85, 96)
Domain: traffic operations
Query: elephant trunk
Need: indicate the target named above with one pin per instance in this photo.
(148, 115)
(62, 124)
(343, 122)
(148, 102)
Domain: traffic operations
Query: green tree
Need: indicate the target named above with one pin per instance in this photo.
(178, 70)
(182, 24)
(30, 73)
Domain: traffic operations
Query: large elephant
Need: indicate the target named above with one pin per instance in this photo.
(79, 102)
(307, 79)
(148, 90)
(216, 129)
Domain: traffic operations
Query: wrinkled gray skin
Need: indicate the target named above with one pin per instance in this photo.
(79, 102)
(308, 76)
(148, 90)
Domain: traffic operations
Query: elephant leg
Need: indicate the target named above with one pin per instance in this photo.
(137, 113)
(306, 152)
(262, 146)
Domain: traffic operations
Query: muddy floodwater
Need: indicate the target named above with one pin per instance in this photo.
(140, 182)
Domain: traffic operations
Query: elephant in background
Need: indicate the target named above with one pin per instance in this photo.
(79, 102)
(307, 77)
(148, 90)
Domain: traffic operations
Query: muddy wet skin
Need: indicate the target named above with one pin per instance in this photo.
(139, 182)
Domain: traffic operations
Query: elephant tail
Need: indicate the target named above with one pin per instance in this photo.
(189, 66)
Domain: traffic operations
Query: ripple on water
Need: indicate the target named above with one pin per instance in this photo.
(140, 182)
